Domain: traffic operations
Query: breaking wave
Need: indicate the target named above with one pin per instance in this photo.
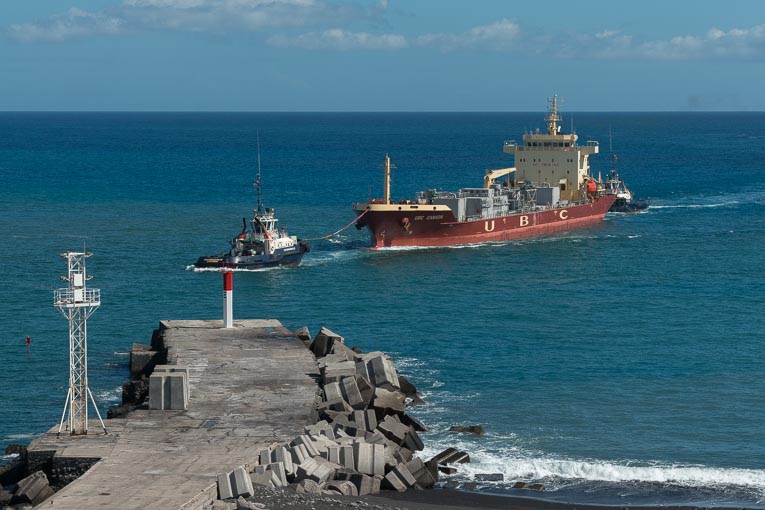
(521, 468)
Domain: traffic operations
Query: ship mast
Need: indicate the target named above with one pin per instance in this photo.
(553, 118)
(257, 179)
(386, 180)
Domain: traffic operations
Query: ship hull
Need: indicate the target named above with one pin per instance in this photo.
(286, 258)
(407, 227)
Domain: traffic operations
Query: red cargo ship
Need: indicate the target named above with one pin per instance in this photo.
(548, 190)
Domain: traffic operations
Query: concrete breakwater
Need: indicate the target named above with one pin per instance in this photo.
(259, 408)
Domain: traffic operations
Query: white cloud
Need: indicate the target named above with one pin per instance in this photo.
(72, 24)
(338, 39)
(249, 15)
(498, 35)
(746, 43)
(166, 4)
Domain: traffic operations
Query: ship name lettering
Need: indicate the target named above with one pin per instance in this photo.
(435, 217)
(524, 221)
(487, 227)
(419, 218)
(563, 214)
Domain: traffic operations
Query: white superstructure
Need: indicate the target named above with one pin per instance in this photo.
(553, 158)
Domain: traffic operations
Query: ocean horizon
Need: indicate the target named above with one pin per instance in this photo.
(618, 365)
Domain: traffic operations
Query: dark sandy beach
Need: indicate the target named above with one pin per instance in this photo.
(444, 499)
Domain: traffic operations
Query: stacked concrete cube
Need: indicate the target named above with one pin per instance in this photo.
(169, 388)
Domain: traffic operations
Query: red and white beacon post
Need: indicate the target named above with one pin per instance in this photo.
(228, 299)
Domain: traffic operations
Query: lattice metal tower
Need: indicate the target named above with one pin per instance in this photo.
(76, 302)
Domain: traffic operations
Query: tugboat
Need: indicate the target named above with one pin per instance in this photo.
(551, 190)
(624, 203)
(262, 246)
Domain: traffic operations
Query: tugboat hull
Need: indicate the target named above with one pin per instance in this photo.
(628, 206)
(290, 257)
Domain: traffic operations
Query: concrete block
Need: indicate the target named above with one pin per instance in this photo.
(259, 469)
(366, 389)
(378, 459)
(142, 362)
(224, 487)
(279, 477)
(393, 482)
(304, 335)
(305, 469)
(175, 369)
(363, 458)
(399, 479)
(346, 456)
(323, 342)
(308, 486)
(403, 455)
(332, 392)
(334, 372)
(388, 402)
(370, 419)
(298, 454)
(325, 470)
(168, 388)
(283, 455)
(351, 394)
(321, 444)
(156, 391)
(33, 489)
(413, 441)
(178, 392)
(394, 430)
(413, 422)
(344, 487)
(241, 485)
(406, 387)
(421, 473)
(451, 456)
(307, 443)
(375, 437)
(332, 409)
(265, 478)
(314, 470)
(264, 457)
(341, 349)
(333, 454)
(364, 484)
(321, 428)
(362, 370)
(383, 372)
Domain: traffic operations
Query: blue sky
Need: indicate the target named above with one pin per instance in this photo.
(377, 55)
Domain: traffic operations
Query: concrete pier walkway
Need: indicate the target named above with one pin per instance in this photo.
(250, 386)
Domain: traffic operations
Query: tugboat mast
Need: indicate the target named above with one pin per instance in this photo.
(257, 179)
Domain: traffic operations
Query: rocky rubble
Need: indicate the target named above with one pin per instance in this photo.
(364, 441)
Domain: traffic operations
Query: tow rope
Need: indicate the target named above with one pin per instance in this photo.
(338, 231)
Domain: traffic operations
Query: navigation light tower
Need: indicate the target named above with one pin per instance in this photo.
(76, 302)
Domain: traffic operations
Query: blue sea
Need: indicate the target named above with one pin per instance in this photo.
(621, 364)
